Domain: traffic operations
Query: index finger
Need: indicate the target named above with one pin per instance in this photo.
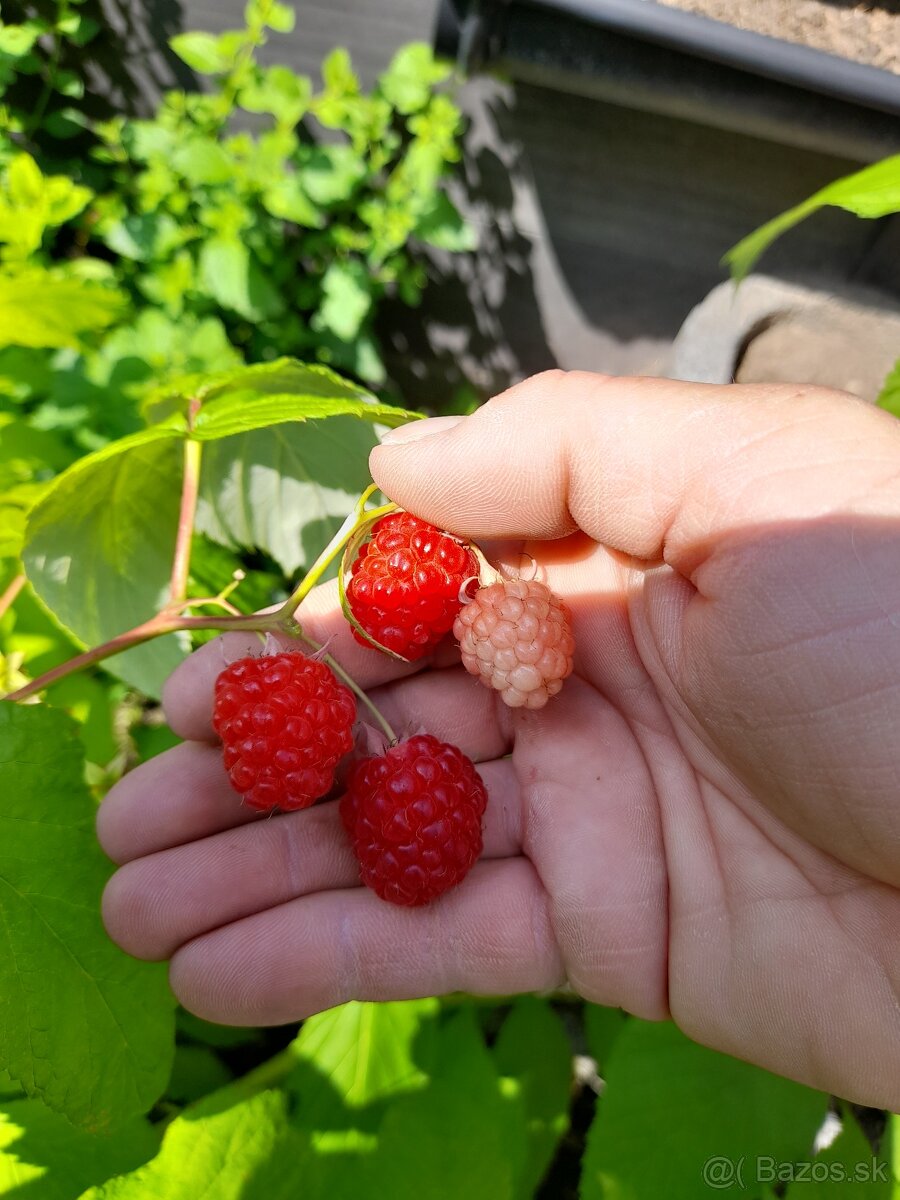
(188, 693)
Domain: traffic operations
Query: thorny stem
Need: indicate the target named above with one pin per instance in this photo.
(9, 595)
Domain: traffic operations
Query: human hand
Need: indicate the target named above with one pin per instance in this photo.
(705, 823)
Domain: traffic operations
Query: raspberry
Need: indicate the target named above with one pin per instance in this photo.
(414, 818)
(515, 636)
(405, 584)
(285, 723)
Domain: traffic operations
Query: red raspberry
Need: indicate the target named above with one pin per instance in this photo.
(515, 636)
(285, 723)
(405, 584)
(414, 818)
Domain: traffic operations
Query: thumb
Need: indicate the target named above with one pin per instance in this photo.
(638, 464)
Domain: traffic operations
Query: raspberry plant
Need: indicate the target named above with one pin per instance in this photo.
(155, 489)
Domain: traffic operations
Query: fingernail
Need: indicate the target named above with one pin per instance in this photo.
(416, 430)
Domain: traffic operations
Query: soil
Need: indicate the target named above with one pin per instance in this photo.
(867, 31)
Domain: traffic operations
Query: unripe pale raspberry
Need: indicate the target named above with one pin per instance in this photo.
(515, 636)
(285, 723)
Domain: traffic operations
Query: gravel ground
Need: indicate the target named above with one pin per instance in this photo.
(865, 30)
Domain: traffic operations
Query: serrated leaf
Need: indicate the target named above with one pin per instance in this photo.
(889, 396)
(284, 489)
(42, 1155)
(83, 1027)
(214, 1150)
(50, 308)
(363, 1053)
(413, 72)
(201, 52)
(872, 192)
(533, 1049)
(724, 1108)
(99, 546)
(286, 390)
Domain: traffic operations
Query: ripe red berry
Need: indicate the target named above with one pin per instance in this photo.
(405, 584)
(285, 723)
(516, 637)
(414, 818)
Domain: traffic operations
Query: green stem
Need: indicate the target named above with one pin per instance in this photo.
(329, 554)
(354, 687)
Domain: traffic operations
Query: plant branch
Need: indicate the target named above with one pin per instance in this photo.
(190, 490)
(11, 592)
(163, 623)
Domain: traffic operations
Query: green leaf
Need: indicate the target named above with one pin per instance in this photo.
(284, 489)
(234, 279)
(83, 1027)
(534, 1051)
(284, 390)
(42, 1155)
(845, 1170)
(17, 40)
(201, 160)
(603, 1027)
(99, 548)
(872, 192)
(279, 91)
(50, 308)
(408, 82)
(213, 1150)
(441, 225)
(280, 17)
(195, 1071)
(330, 174)
(346, 299)
(459, 1137)
(201, 52)
(671, 1105)
(889, 397)
(286, 200)
(362, 1053)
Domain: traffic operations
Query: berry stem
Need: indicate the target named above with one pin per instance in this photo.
(285, 614)
(354, 687)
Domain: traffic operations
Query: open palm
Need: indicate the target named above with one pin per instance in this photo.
(705, 823)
